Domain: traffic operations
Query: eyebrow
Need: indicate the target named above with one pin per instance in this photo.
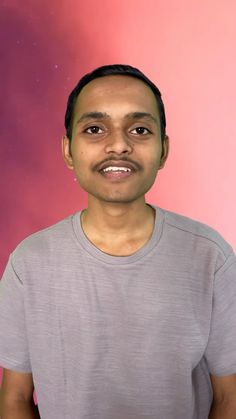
(104, 115)
(141, 115)
(93, 115)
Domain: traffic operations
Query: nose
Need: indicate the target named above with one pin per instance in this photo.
(118, 143)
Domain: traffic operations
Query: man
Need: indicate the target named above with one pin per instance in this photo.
(122, 310)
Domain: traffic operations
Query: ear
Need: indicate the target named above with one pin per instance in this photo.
(165, 152)
(65, 143)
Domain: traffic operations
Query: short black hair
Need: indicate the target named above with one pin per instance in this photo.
(110, 70)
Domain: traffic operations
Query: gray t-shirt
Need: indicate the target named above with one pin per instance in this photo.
(131, 337)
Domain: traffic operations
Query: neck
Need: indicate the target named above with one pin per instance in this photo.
(118, 228)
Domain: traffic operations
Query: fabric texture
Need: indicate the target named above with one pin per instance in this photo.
(131, 337)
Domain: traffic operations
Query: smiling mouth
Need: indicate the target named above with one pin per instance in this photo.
(116, 169)
(116, 172)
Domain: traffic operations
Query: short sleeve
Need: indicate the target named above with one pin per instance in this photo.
(221, 349)
(14, 352)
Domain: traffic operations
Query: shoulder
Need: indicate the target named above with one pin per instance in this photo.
(45, 242)
(197, 229)
(195, 239)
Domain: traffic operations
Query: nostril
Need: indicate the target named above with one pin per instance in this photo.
(118, 145)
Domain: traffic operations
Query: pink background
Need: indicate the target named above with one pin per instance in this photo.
(186, 47)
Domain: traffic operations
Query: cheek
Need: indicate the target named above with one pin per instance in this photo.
(152, 153)
(83, 152)
(154, 161)
(78, 156)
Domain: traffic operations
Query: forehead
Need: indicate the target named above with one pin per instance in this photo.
(106, 93)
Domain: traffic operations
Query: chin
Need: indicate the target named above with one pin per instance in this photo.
(118, 198)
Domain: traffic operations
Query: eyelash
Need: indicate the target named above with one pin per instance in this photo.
(92, 133)
(143, 128)
(99, 128)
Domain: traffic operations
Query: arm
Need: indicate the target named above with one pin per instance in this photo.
(224, 397)
(16, 397)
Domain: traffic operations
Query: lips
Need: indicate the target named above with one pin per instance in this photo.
(117, 170)
(113, 166)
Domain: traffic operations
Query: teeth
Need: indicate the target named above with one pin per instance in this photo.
(116, 169)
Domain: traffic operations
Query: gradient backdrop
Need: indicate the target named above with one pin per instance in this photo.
(186, 47)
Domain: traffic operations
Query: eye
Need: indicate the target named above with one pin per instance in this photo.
(94, 129)
(140, 131)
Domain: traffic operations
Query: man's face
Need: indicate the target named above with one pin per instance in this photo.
(116, 145)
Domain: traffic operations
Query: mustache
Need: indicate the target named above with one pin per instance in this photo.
(120, 159)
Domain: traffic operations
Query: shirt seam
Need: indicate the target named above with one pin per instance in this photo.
(203, 236)
(13, 268)
(224, 270)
